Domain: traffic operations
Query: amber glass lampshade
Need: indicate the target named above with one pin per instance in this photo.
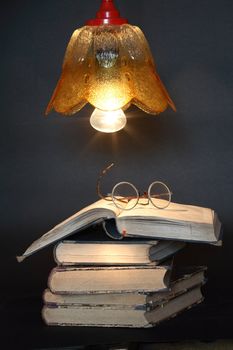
(110, 66)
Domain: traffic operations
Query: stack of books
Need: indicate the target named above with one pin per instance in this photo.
(122, 284)
(130, 282)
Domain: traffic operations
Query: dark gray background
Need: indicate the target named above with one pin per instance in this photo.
(49, 165)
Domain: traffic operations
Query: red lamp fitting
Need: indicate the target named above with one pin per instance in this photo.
(107, 14)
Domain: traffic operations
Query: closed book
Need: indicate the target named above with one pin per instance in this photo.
(181, 282)
(82, 280)
(112, 316)
(124, 252)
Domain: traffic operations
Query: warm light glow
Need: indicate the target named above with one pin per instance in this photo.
(108, 96)
(108, 121)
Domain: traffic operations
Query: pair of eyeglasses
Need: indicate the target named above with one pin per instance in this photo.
(126, 196)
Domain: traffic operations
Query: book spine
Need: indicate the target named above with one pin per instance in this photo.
(55, 249)
(43, 315)
(110, 228)
(52, 272)
(44, 296)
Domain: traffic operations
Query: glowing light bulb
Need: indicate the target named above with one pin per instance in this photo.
(108, 121)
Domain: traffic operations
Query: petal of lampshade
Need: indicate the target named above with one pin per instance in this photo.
(149, 93)
(71, 92)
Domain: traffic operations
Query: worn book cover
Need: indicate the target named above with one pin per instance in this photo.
(105, 316)
(97, 280)
(181, 281)
(124, 252)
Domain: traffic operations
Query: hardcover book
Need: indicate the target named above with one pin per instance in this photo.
(95, 280)
(177, 222)
(115, 316)
(181, 281)
(114, 252)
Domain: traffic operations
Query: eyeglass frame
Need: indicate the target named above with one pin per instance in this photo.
(146, 195)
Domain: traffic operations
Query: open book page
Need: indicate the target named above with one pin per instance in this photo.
(99, 210)
(175, 212)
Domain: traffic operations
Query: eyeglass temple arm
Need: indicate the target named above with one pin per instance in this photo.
(102, 173)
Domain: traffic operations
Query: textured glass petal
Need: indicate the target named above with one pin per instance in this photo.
(149, 92)
(72, 89)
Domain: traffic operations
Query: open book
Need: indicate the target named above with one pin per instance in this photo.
(177, 222)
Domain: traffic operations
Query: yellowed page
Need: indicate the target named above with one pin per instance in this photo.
(175, 212)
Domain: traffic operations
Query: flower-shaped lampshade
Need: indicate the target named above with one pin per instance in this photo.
(108, 63)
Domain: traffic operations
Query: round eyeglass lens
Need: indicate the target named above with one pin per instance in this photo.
(125, 195)
(159, 195)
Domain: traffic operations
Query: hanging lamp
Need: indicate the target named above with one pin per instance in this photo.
(108, 63)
